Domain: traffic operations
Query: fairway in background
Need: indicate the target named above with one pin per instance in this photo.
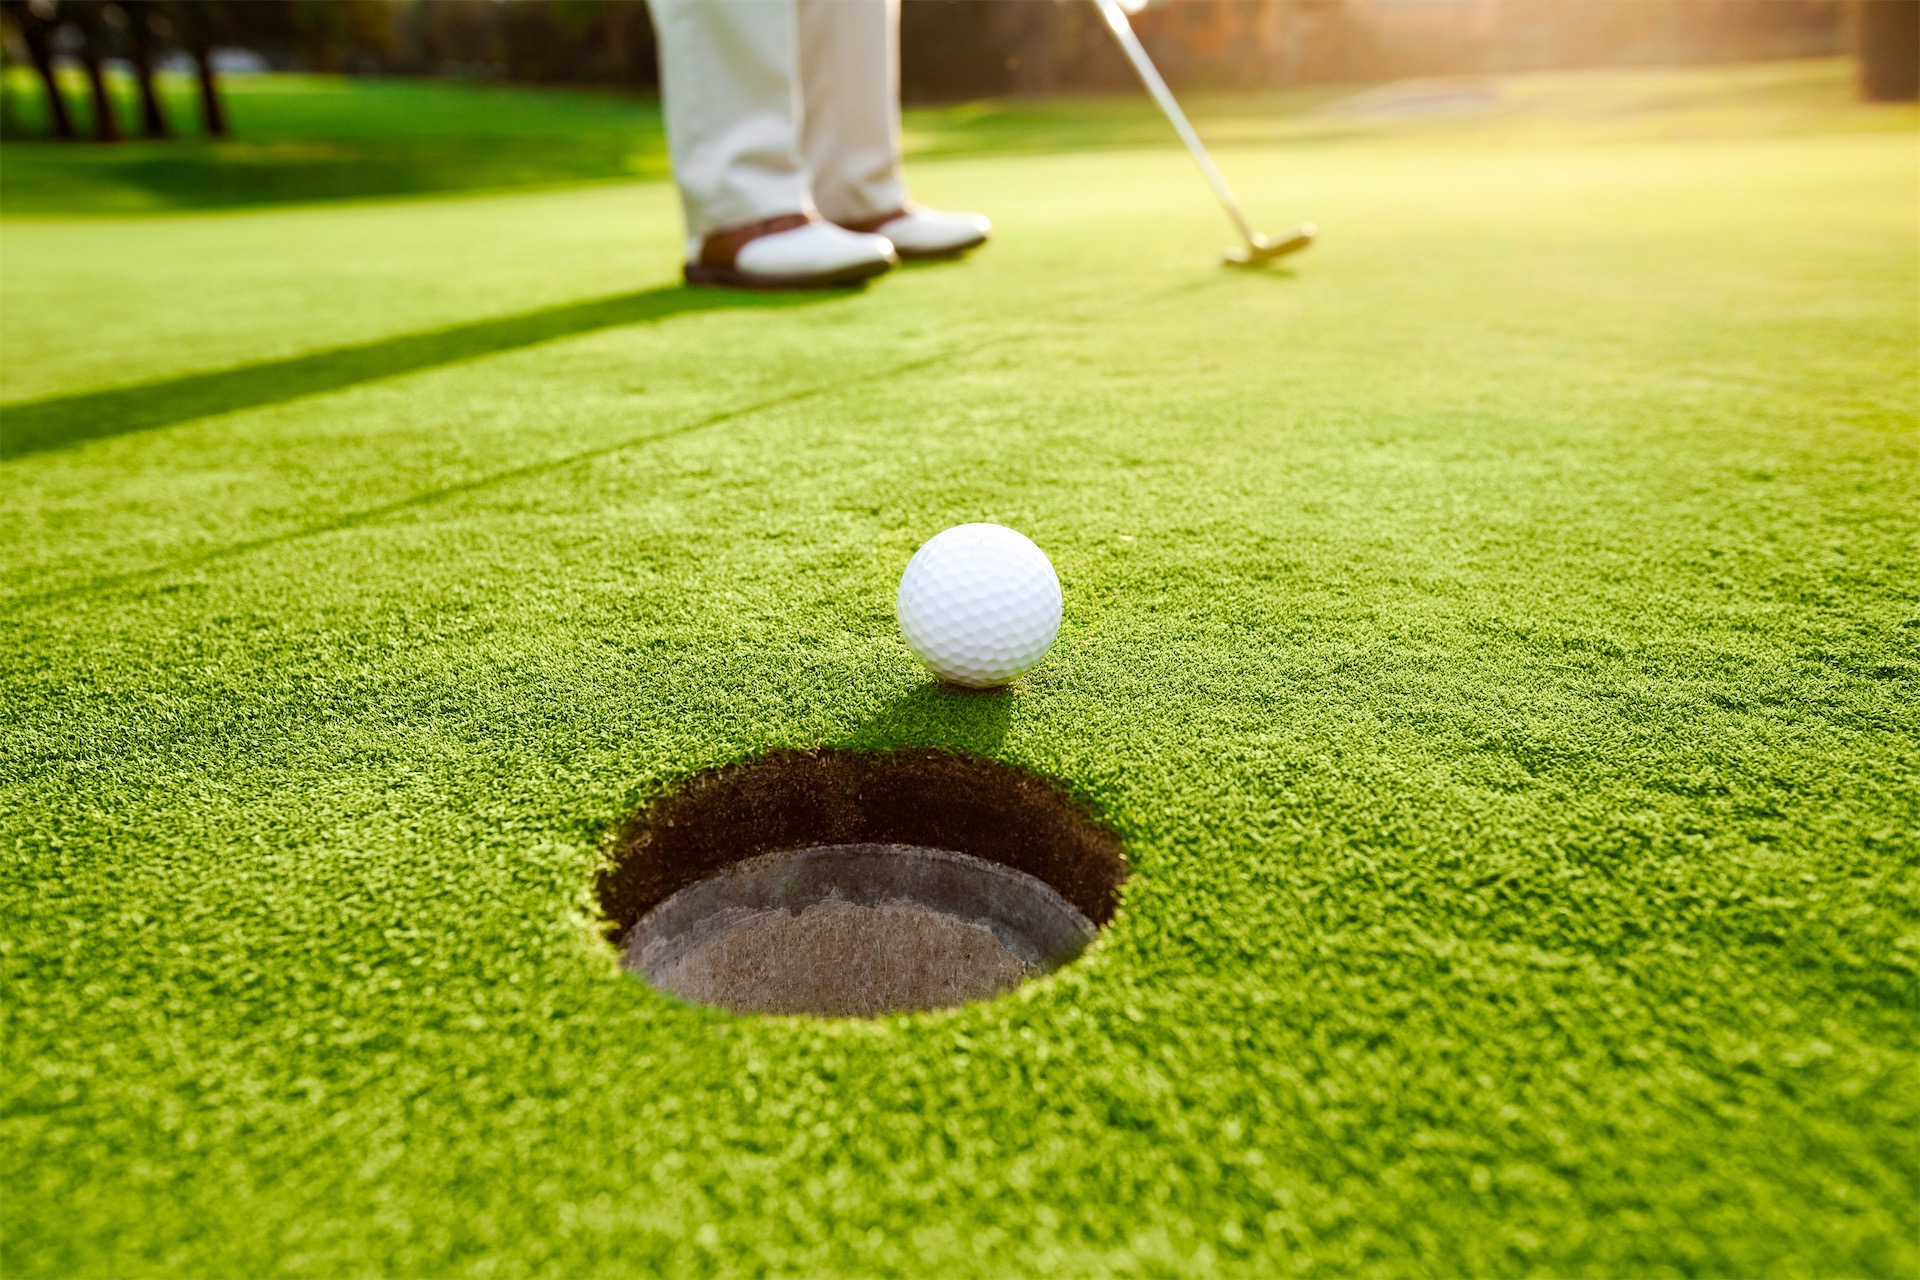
(314, 138)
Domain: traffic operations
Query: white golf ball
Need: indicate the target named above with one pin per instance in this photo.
(979, 604)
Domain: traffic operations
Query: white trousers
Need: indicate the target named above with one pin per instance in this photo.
(781, 106)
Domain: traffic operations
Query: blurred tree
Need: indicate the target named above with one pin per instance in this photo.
(136, 23)
(946, 51)
(1887, 34)
(1029, 34)
(323, 35)
(630, 42)
(453, 37)
(956, 49)
(607, 42)
(1050, 48)
(36, 22)
(9, 119)
(199, 26)
(575, 41)
(538, 36)
(90, 18)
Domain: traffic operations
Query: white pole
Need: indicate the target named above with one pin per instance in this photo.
(1150, 76)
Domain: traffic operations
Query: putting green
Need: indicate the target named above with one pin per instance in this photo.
(1494, 637)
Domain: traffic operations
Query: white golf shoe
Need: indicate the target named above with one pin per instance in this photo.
(793, 251)
(919, 233)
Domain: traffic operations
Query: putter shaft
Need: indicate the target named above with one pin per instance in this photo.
(1150, 76)
(1259, 248)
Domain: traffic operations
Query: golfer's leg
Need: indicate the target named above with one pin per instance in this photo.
(730, 81)
(850, 84)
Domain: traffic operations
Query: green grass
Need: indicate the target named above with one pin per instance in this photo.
(1495, 638)
(307, 138)
(301, 138)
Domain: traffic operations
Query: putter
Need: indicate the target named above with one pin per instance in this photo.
(1258, 248)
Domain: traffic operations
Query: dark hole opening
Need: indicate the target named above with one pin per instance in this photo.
(836, 882)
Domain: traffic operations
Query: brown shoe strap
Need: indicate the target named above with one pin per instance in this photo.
(871, 225)
(721, 247)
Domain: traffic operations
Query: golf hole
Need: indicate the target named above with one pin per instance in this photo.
(845, 884)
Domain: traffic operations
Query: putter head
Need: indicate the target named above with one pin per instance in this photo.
(1266, 249)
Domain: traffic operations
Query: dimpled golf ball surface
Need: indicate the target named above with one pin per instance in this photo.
(979, 604)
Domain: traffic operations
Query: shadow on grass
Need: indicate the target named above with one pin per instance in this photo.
(39, 425)
(937, 714)
(52, 179)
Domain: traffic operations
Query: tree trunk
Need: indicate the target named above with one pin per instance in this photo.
(153, 121)
(93, 54)
(37, 32)
(198, 26)
(1888, 32)
(8, 125)
(213, 117)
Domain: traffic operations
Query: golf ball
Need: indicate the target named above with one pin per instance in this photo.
(979, 604)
